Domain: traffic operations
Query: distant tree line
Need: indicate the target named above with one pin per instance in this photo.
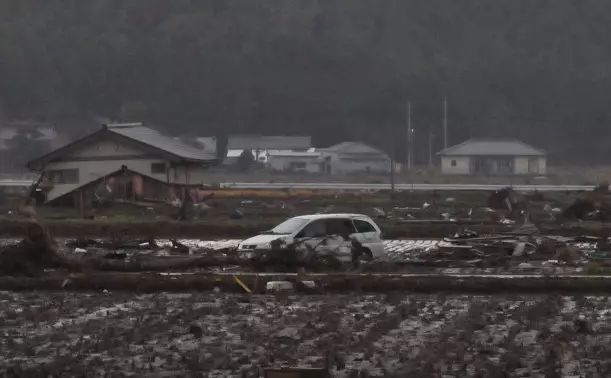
(538, 70)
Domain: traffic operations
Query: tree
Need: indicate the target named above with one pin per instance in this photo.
(245, 160)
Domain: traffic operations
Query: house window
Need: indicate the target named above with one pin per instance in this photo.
(158, 168)
(63, 176)
(297, 166)
(453, 163)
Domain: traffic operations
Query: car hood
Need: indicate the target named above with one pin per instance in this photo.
(263, 239)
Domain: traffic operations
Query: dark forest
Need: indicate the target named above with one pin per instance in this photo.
(538, 70)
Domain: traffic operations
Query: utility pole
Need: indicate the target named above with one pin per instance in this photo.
(431, 139)
(392, 165)
(410, 137)
(392, 172)
(445, 122)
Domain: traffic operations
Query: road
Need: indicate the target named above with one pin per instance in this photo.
(364, 186)
(13, 183)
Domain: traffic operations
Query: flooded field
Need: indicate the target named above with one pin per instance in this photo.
(392, 335)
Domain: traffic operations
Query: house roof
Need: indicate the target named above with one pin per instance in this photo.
(137, 134)
(492, 147)
(153, 138)
(354, 148)
(268, 142)
(290, 153)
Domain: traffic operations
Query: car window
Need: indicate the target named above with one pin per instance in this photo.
(339, 227)
(363, 226)
(314, 229)
(289, 226)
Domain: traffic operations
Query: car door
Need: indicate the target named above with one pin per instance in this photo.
(327, 237)
(339, 234)
(310, 237)
(365, 231)
(370, 236)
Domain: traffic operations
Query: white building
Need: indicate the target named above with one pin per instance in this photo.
(141, 161)
(354, 157)
(492, 157)
(262, 145)
(294, 161)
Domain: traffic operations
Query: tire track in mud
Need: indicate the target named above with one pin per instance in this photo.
(53, 337)
(399, 333)
(221, 335)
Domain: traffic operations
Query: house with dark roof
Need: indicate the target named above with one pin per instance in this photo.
(128, 161)
(493, 157)
(268, 142)
(354, 157)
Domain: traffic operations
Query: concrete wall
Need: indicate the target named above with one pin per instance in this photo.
(283, 163)
(462, 165)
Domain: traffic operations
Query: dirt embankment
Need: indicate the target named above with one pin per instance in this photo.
(236, 229)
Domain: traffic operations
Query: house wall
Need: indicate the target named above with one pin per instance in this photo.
(520, 165)
(283, 163)
(461, 167)
(91, 170)
(350, 163)
(542, 165)
(107, 156)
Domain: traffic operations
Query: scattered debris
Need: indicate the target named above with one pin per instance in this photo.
(277, 286)
(379, 213)
(236, 214)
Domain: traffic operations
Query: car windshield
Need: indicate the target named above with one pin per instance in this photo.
(288, 227)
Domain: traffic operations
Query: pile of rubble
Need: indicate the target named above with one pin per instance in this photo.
(468, 249)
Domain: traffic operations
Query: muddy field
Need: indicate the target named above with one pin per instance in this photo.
(216, 335)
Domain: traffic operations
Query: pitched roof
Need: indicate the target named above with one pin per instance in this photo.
(268, 142)
(492, 147)
(290, 153)
(137, 134)
(354, 148)
(153, 138)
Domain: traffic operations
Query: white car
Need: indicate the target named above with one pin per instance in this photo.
(333, 231)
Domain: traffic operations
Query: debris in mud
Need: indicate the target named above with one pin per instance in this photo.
(33, 254)
(363, 335)
(508, 200)
(580, 209)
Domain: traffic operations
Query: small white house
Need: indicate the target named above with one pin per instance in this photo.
(294, 161)
(262, 145)
(143, 161)
(492, 157)
(354, 157)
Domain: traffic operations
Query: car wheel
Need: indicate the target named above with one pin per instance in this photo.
(367, 255)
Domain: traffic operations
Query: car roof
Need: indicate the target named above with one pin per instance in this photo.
(332, 216)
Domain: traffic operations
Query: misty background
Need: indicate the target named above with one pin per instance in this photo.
(537, 70)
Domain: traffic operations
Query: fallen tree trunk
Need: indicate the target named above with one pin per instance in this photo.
(376, 283)
(159, 264)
